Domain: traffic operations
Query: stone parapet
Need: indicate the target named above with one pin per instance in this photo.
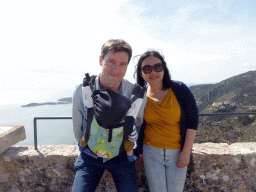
(11, 135)
(217, 167)
(223, 167)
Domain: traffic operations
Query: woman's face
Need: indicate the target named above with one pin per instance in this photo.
(152, 78)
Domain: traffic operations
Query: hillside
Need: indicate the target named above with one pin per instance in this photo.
(240, 89)
(235, 94)
(199, 90)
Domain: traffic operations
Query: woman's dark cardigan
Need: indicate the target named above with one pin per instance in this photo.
(189, 112)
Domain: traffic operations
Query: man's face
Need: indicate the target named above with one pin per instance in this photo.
(114, 66)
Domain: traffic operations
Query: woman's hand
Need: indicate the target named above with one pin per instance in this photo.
(184, 156)
(183, 159)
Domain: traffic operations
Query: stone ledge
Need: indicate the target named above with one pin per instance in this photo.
(224, 148)
(12, 136)
(217, 167)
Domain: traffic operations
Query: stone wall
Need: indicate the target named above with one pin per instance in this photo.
(10, 135)
(217, 167)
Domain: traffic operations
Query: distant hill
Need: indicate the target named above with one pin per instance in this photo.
(66, 99)
(199, 90)
(62, 101)
(235, 94)
(240, 89)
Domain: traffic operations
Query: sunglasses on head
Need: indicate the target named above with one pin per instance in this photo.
(158, 67)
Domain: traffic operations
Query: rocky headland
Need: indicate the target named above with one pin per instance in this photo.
(62, 101)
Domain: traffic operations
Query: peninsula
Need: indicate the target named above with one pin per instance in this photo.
(62, 101)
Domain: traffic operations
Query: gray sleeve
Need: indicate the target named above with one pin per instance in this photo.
(77, 112)
(140, 116)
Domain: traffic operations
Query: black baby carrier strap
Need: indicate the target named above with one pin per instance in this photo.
(89, 82)
(137, 93)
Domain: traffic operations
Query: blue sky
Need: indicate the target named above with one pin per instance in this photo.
(47, 46)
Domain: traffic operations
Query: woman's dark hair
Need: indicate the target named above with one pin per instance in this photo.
(137, 74)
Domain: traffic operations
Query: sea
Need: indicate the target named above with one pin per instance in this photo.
(49, 132)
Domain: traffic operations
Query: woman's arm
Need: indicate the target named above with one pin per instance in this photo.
(184, 156)
(191, 124)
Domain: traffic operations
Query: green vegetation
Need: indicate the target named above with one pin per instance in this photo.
(250, 135)
(226, 97)
(225, 130)
(236, 94)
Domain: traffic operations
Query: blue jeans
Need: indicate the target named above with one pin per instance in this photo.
(89, 171)
(161, 169)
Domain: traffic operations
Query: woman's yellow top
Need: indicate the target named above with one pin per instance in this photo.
(163, 122)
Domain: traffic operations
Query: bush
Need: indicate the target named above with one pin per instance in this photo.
(245, 120)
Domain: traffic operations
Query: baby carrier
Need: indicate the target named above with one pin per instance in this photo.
(109, 119)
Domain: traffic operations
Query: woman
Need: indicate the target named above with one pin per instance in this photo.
(171, 120)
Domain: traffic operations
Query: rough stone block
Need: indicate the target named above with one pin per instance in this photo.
(10, 135)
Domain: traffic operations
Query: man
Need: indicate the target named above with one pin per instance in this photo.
(90, 165)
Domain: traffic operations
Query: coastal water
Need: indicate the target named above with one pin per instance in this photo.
(49, 132)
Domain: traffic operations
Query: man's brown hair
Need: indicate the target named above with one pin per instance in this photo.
(116, 45)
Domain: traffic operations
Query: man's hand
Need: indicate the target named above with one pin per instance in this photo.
(183, 159)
